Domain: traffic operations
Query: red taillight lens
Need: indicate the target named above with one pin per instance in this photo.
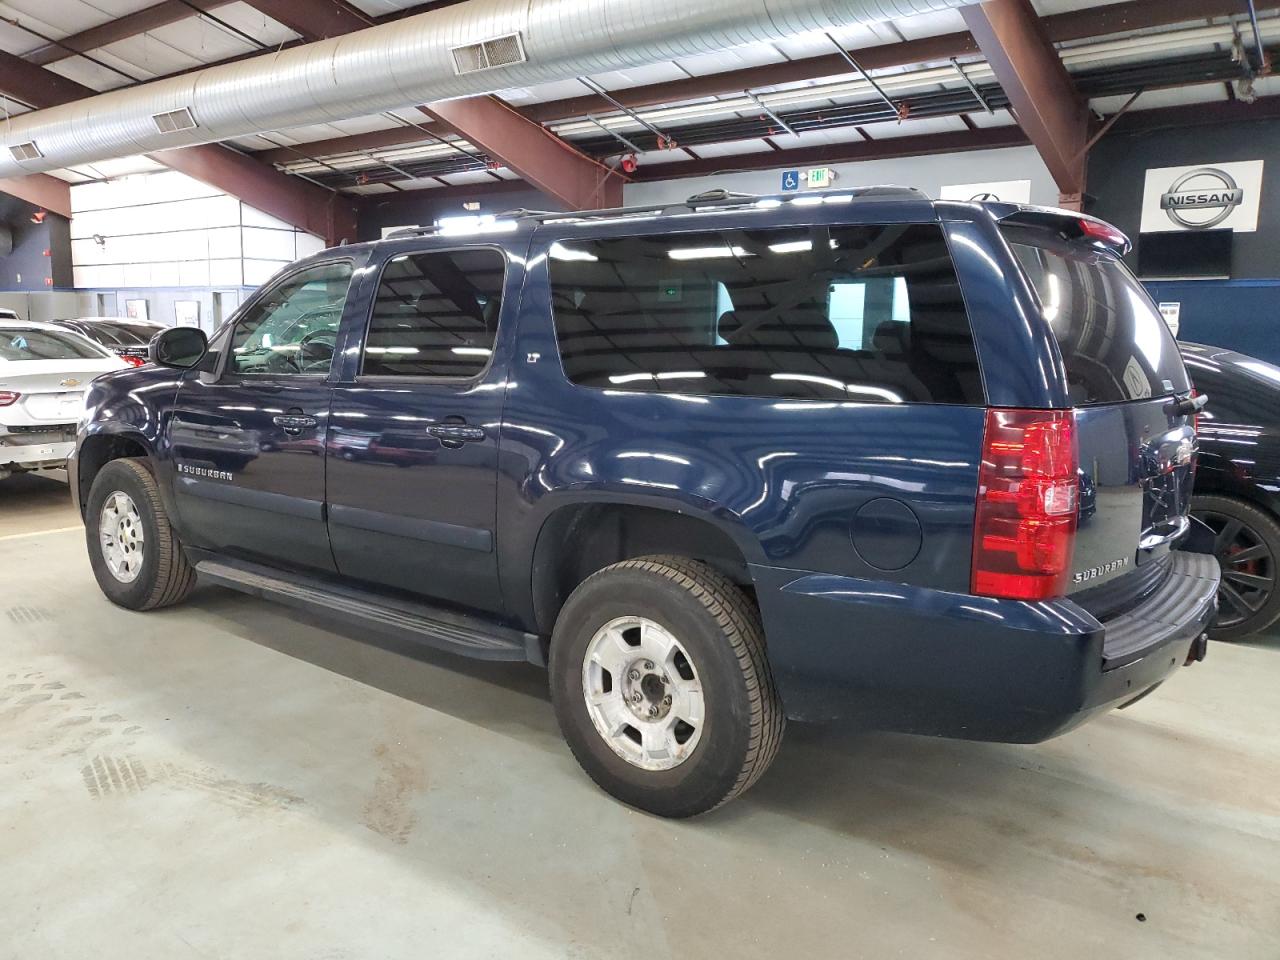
(1025, 525)
(132, 361)
(8, 399)
(1097, 230)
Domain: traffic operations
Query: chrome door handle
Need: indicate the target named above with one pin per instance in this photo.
(455, 434)
(294, 424)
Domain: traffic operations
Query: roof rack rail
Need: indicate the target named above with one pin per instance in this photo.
(707, 198)
(718, 197)
(404, 233)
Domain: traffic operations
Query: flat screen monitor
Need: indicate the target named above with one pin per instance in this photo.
(1185, 255)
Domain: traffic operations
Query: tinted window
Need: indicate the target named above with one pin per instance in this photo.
(131, 335)
(293, 329)
(36, 344)
(436, 315)
(1114, 343)
(868, 313)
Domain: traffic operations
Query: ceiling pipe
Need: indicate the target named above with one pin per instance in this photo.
(438, 55)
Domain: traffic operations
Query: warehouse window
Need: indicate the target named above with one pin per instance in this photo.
(858, 313)
(436, 315)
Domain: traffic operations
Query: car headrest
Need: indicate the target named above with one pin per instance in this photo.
(796, 327)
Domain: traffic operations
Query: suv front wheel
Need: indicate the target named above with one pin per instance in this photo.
(133, 550)
(662, 687)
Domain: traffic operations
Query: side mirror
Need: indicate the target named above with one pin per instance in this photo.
(179, 347)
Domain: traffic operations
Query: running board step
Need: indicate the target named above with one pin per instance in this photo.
(442, 629)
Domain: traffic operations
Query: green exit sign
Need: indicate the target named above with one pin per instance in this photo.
(819, 177)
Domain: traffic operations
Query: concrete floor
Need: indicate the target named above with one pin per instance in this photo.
(226, 780)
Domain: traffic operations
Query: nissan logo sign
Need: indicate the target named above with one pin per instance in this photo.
(1202, 198)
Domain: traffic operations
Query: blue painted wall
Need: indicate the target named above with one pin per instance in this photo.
(1243, 315)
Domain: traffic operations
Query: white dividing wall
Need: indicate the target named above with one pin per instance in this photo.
(929, 174)
(166, 230)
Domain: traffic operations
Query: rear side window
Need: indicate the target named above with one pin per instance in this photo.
(1113, 341)
(870, 314)
(436, 314)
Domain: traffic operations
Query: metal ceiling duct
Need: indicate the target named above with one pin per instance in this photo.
(466, 49)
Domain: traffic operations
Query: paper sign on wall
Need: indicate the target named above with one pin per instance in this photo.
(1209, 196)
(1008, 191)
(186, 313)
(1172, 313)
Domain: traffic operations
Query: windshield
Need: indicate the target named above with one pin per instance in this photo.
(37, 344)
(1114, 343)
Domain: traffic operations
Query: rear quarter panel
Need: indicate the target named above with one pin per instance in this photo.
(786, 479)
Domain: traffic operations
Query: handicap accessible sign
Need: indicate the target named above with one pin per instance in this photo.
(790, 179)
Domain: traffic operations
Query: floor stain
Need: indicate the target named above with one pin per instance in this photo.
(24, 614)
(123, 775)
(63, 722)
(400, 776)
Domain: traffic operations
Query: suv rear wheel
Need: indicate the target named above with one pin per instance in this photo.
(1247, 545)
(134, 553)
(662, 687)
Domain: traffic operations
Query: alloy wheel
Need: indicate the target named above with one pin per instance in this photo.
(122, 537)
(643, 693)
(1248, 568)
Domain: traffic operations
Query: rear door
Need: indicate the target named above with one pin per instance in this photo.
(413, 439)
(1125, 377)
(248, 442)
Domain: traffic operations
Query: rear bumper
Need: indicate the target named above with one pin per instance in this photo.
(18, 453)
(896, 657)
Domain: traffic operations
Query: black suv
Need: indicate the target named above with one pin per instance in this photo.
(858, 455)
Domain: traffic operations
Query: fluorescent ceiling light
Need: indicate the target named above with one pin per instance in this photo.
(706, 253)
(560, 252)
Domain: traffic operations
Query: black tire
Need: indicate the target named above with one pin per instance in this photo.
(165, 576)
(720, 629)
(1247, 545)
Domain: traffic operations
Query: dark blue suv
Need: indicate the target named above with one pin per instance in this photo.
(919, 465)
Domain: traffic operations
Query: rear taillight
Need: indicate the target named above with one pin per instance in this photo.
(8, 399)
(1025, 525)
(1105, 232)
(132, 361)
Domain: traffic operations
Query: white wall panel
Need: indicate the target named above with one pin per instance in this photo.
(226, 273)
(139, 190)
(263, 244)
(307, 244)
(258, 272)
(99, 277)
(166, 230)
(193, 274)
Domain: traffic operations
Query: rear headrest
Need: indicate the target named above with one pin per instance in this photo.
(796, 327)
(890, 337)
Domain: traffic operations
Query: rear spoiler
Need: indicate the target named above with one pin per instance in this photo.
(1076, 226)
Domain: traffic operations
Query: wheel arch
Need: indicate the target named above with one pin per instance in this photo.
(578, 538)
(99, 449)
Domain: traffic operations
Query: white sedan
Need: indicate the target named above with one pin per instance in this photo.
(44, 372)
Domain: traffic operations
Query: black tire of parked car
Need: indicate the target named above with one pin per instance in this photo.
(1245, 605)
(166, 578)
(720, 628)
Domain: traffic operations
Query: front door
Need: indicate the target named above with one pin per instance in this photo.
(413, 437)
(248, 441)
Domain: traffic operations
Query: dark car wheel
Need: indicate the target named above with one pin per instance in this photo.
(661, 685)
(1247, 545)
(135, 554)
